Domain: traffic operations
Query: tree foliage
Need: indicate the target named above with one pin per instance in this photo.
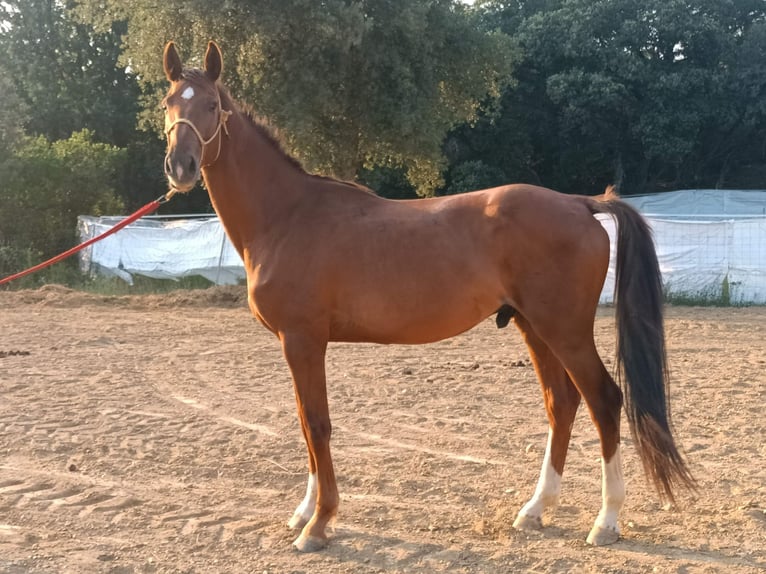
(13, 113)
(65, 73)
(648, 94)
(47, 185)
(351, 84)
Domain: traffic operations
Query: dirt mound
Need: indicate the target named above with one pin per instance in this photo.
(64, 297)
(224, 296)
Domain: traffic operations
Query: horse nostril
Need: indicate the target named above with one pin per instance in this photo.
(168, 167)
(192, 166)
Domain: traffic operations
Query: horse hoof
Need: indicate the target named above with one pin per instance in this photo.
(297, 522)
(306, 543)
(602, 536)
(526, 522)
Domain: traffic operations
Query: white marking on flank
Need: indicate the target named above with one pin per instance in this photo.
(188, 93)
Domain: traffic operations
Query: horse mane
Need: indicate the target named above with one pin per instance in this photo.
(268, 131)
(271, 134)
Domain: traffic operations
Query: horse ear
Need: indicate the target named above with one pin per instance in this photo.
(171, 61)
(213, 61)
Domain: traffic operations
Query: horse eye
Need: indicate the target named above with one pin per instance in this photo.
(212, 106)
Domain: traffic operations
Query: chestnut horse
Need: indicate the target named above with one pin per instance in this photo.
(328, 260)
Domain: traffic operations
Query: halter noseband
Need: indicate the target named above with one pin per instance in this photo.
(223, 116)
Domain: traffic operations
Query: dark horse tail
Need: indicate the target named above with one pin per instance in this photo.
(641, 357)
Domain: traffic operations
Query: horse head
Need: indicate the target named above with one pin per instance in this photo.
(194, 118)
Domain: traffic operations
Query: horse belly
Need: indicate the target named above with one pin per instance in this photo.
(412, 316)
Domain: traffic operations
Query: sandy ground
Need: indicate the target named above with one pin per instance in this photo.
(158, 434)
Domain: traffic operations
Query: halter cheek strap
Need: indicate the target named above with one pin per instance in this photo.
(223, 116)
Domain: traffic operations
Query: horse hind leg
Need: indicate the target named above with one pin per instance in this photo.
(606, 529)
(561, 402)
(604, 400)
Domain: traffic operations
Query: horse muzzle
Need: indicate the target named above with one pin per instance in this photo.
(182, 170)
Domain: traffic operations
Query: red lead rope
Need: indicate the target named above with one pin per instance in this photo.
(146, 209)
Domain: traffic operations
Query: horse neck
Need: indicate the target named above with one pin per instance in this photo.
(253, 185)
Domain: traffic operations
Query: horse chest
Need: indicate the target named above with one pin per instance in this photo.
(276, 303)
(259, 314)
(258, 299)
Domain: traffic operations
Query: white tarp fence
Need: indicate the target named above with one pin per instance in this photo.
(697, 203)
(161, 249)
(711, 244)
(706, 260)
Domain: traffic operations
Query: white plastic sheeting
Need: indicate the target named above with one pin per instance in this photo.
(711, 244)
(161, 249)
(701, 203)
(706, 260)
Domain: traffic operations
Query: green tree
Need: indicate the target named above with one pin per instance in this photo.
(68, 77)
(471, 175)
(351, 84)
(648, 94)
(731, 151)
(46, 186)
(66, 74)
(13, 113)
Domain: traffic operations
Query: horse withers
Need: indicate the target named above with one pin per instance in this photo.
(328, 260)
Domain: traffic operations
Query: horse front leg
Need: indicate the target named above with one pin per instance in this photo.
(305, 356)
(305, 509)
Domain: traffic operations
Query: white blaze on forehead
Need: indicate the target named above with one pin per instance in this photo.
(188, 93)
